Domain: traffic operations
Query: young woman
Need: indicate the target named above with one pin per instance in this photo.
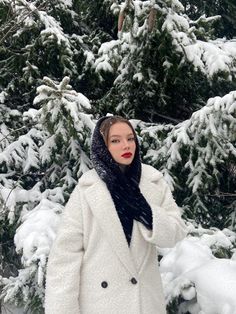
(104, 258)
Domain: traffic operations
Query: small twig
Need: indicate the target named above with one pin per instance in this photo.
(13, 131)
(223, 194)
(16, 25)
(14, 186)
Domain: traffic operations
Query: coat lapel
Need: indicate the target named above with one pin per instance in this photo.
(102, 206)
(149, 190)
(139, 247)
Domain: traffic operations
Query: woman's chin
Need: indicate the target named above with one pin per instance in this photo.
(125, 162)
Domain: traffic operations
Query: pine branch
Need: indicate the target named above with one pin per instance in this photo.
(16, 26)
(13, 131)
(15, 185)
(223, 195)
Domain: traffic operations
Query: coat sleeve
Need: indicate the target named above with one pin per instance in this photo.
(168, 227)
(63, 269)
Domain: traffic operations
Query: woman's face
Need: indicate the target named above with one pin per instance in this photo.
(121, 143)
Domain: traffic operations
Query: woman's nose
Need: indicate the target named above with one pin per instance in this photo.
(125, 144)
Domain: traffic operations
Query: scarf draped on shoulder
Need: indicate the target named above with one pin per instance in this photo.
(123, 186)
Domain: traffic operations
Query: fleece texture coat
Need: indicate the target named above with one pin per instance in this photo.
(91, 268)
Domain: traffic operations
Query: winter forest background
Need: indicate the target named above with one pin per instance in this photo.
(170, 67)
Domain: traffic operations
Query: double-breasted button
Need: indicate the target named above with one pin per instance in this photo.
(104, 284)
(133, 280)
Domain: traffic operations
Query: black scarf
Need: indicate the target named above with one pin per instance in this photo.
(122, 185)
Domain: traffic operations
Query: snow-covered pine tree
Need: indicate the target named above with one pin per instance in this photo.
(197, 158)
(172, 67)
(99, 24)
(225, 26)
(63, 154)
(165, 62)
(38, 172)
(38, 38)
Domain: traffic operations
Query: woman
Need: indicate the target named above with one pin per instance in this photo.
(104, 258)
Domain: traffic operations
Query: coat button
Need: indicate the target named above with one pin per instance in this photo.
(104, 284)
(134, 281)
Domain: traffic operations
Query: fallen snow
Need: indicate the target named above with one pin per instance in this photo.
(205, 282)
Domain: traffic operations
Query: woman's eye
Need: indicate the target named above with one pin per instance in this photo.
(131, 139)
(115, 141)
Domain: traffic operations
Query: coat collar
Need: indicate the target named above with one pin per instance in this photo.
(148, 172)
(103, 208)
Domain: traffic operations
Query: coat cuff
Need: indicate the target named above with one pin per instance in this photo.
(167, 229)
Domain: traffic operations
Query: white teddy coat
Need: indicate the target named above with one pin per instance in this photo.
(91, 248)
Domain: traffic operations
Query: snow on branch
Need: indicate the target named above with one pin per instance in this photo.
(185, 268)
(201, 143)
(211, 57)
(62, 114)
(22, 153)
(62, 108)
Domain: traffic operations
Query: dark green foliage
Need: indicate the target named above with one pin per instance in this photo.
(36, 51)
(97, 15)
(9, 260)
(170, 88)
(226, 25)
(215, 206)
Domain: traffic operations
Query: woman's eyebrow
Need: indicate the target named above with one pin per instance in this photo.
(114, 135)
(120, 135)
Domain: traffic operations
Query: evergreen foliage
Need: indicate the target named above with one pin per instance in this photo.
(38, 39)
(195, 156)
(39, 169)
(225, 26)
(160, 62)
(169, 63)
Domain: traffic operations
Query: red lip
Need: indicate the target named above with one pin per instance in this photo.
(127, 155)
